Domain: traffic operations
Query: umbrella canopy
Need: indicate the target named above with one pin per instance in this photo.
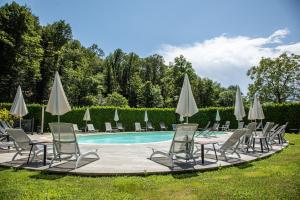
(218, 118)
(146, 116)
(116, 118)
(186, 106)
(239, 110)
(87, 116)
(257, 111)
(58, 103)
(250, 117)
(18, 107)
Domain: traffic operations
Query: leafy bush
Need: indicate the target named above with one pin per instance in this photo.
(5, 116)
(278, 113)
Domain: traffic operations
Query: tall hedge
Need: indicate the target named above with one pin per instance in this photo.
(278, 113)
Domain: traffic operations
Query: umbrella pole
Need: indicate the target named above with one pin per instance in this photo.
(20, 122)
(85, 129)
(42, 121)
(58, 121)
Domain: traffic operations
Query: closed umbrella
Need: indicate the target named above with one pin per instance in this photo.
(18, 107)
(87, 117)
(250, 117)
(116, 117)
(58, 103)
(257, 111)
(186, 106)
(239, 110)
(181, 119)
(146, 118)
(218, 118)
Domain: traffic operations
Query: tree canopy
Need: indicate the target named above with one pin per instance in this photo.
(31, 53)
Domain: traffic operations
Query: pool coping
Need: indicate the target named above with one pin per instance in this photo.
(146, 173)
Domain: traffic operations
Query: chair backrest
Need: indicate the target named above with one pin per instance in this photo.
(241, 125)
(20, 138)
(234, 139)
(227, 123)
(174, 127)
(2, 130)
(149, 125)
(64, 138)
(108, 126)
(267, 128)
(119, 125)
(90, 127)
(207, 125)
(162, 125)
(215, 126)
(183, 139)
(137, 126)
(4, 125)
(274, 127)
(75, 127)
(259, 125)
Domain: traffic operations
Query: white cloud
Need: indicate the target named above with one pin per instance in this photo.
(227, 59)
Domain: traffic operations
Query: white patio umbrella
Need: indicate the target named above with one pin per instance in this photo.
(218, 118)
(239, 110)
(250, 117)
(146, 118)
(87, 117)
(186, 106)
(116, 117)
(181, 119)
(257, 111)
(58, 103)
(18, 107)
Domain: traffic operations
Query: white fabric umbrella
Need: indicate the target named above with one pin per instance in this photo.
(218, 118)
(18, 107)
(181, 119)
(186, 106)
(250, 117)
(58, 103)
(116, 117)
(87, 116)
(146, 118)
(239, 110)
(257, 111)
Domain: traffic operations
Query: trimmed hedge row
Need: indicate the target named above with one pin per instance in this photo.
(278, 113)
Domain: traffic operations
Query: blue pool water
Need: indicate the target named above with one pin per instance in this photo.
(127, 138)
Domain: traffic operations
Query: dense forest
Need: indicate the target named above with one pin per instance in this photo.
(30, 53)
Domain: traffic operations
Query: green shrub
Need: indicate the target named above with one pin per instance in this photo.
(5, 116)
(278, 113)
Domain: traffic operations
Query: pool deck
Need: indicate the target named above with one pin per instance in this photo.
(133, 159)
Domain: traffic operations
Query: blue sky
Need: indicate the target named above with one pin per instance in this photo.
(194, 28)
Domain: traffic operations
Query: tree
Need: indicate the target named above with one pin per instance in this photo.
(276, 79)
(150, 97)
(54, 37)
(227, 97)
(116, 99)
(20, 51)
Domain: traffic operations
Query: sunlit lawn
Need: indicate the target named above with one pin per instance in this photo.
(277, 177)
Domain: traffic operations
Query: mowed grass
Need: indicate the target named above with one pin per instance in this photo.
(277, 177)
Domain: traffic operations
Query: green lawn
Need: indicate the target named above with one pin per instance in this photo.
(277, 177)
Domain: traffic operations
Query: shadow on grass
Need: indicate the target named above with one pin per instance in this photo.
(185, 175)
(244, 166)
(47, 176)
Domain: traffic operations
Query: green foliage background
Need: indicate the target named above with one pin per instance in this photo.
(278, 113)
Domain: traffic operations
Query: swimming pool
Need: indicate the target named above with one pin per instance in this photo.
(127, 137)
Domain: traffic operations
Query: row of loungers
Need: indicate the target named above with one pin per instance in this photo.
(119, 127)
(65, 145)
